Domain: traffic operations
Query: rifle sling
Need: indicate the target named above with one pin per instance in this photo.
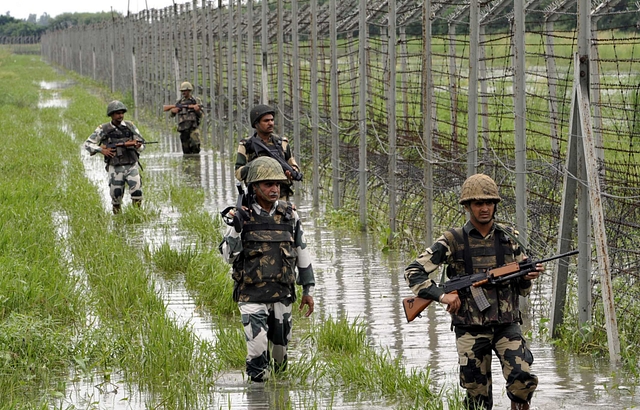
(257, 141)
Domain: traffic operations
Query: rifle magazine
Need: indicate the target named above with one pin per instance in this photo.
(480, 298)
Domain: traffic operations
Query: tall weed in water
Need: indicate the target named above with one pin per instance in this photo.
(352, 365)
(41, 305)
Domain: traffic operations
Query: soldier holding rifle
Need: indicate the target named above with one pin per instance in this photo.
(481, 328)
(120, 143)
(265, 142)
(189, 112)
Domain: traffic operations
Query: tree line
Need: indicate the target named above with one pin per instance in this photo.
(36, 26)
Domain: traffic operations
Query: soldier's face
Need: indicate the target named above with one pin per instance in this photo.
(265, 125)
(117, 117)
(268, 193)
(186, 93)
(481, 212)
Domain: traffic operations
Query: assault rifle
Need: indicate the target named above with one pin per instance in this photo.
(181, 106)
(295, 175)
(128, 144)
(413, 306)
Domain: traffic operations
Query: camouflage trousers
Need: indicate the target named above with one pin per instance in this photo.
(190, 140)
(119, 175)
(267, 329)
(475, 344)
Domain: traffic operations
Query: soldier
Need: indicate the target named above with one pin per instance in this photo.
(264, 245)
(189, 117)
(480, 244)
(263, 139)
(120, 143)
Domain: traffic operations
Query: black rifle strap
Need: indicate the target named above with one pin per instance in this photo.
(466, 255)
(258, 141)
(499, 248)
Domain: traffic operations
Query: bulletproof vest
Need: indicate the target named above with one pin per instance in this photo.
(268, 255)
(476, 255)
(116, 135)
(187, 117)
(254, 150)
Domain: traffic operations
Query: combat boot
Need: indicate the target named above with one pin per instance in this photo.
(116, 209)
(137, 202)
(519, 406)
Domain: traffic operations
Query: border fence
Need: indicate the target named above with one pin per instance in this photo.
(390, 103)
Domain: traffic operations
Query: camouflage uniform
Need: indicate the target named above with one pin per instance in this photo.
(264, 256)
(479, 332)
(123, 168)
(189, 125)
(279, 146)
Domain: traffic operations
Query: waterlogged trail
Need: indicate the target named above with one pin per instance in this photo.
(354, 280)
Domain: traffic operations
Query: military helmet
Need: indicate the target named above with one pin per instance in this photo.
(258, 111)
(114, 106)
(479, 187)
(186, 86)
(265, 169)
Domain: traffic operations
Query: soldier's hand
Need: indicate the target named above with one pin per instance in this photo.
(107, 152)
(196, 107)
(175, 110)
(536, 273)
(307, 300)
(452, 301)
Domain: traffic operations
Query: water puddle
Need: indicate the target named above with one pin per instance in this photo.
(49, 97)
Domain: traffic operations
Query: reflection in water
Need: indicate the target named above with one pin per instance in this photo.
(261, 397)
(53, 99)
(191, 166)
(112, 394)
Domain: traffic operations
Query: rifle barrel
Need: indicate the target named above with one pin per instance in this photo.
(562, 255)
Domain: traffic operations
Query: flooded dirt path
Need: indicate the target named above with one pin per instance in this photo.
(354, 280)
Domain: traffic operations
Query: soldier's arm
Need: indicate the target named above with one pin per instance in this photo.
(92, 144)
(199, 109)
(137, 136)
(174, 111)
(288, 155)
(524, 285)
(306, 277)
(231, 246)
(418, 273)
(241, 161)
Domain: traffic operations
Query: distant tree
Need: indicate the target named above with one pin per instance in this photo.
(6, 19)
(44, 19)
(31, 19)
